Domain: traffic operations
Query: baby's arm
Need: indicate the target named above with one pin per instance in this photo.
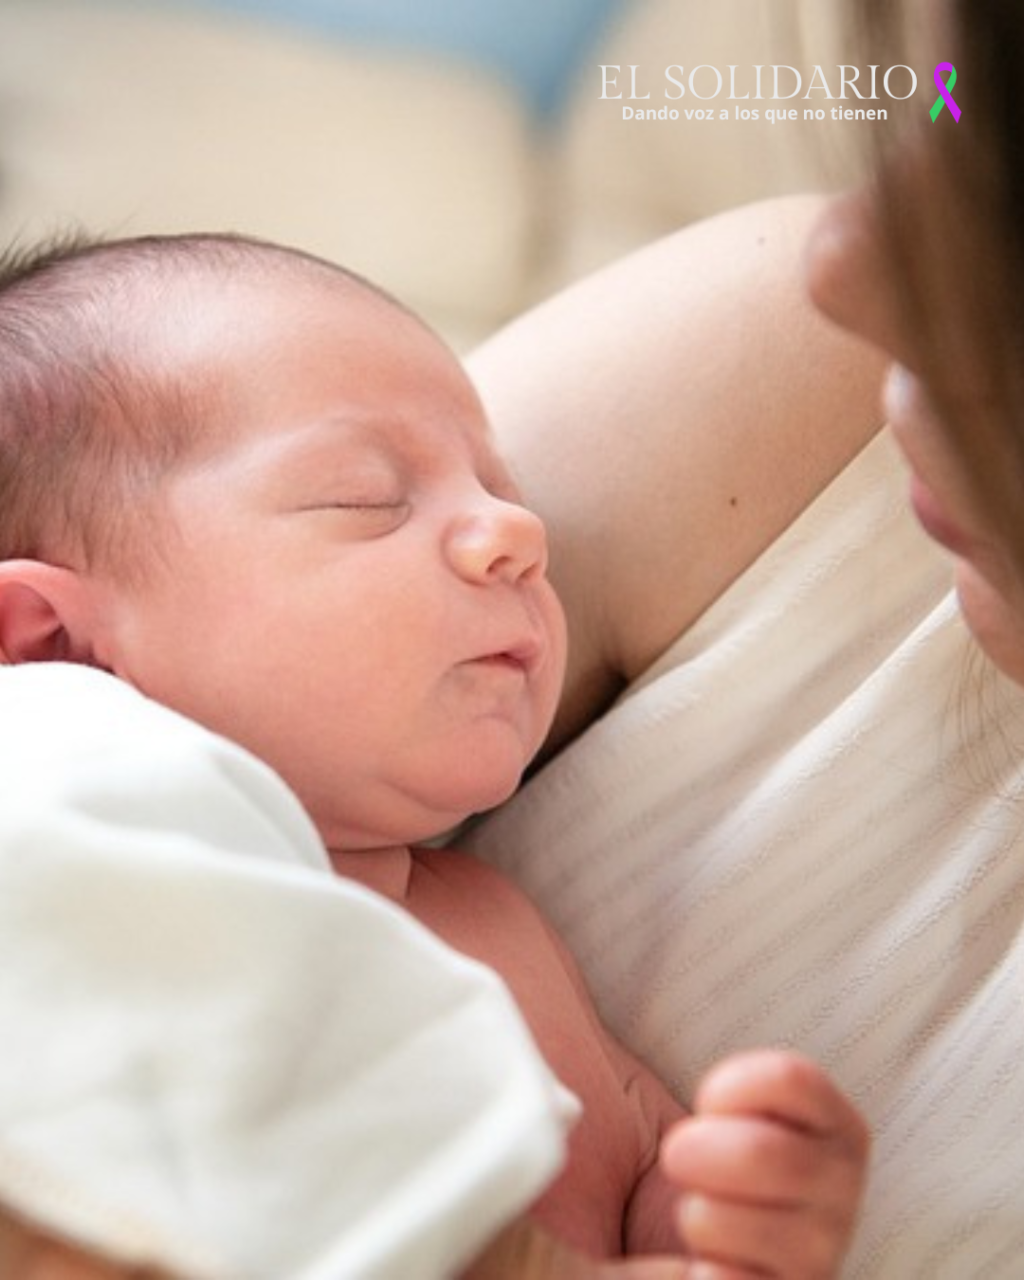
(769, 1170)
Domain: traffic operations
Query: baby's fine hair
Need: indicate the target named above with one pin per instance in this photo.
(90, 419)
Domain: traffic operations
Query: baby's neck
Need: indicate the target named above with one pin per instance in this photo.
(385, 871)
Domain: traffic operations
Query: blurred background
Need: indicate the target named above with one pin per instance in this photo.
(456, 151)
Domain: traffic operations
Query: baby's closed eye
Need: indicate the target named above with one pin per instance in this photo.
(362, 516)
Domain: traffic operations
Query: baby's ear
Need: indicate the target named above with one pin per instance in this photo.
(42, 613)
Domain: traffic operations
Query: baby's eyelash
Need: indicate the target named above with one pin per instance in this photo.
(363, 519)
(366, 506)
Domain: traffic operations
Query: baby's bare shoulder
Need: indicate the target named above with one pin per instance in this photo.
(462, 880)
(480, 911)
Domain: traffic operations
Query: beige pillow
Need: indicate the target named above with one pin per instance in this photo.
(622, 182)
(127, 119)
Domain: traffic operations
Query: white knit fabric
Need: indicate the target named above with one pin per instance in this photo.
(805, 827)
(215, 1055)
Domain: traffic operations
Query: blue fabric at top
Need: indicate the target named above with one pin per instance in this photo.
(535, 45)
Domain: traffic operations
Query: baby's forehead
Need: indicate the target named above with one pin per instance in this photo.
(215, 323)
(188, 281)
(300, 336)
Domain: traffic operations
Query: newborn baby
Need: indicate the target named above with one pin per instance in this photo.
(263, 493)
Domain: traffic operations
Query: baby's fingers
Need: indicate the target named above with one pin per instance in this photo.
(752, 1240)
(795, 1135)
(762, 1162)
(761, 1200)
(770, 1168)
(784, 1086)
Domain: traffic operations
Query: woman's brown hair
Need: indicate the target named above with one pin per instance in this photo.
(949, 196)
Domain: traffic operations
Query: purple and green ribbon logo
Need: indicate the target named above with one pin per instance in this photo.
(945, 98)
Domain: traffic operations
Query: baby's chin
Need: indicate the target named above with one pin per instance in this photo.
(483, 793)
(412, 817)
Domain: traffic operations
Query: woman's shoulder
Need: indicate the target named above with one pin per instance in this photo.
(669, 417)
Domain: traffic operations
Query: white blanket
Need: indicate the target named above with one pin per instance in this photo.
(214, 1055)
(805, 827)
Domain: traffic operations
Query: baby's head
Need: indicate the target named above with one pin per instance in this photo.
(264, 493)
(102, 393)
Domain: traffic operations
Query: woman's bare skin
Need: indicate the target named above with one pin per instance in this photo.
(689, 402)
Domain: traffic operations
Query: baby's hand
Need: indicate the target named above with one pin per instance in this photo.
(771, 1168)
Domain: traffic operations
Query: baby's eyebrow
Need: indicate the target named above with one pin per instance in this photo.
(397, 443)
(278, 462)
(327, 439)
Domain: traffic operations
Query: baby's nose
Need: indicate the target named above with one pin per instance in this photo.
(499, 542)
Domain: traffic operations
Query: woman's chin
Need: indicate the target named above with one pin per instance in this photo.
(995, 618)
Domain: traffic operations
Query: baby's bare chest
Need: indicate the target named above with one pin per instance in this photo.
(485, 918)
